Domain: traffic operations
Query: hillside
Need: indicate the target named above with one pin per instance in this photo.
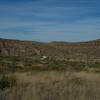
(35, 54)
(29, 48)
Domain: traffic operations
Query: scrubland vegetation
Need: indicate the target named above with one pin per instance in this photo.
(15, 64)
(50, 85)
(48, 79)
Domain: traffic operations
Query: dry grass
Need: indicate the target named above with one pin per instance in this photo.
(53, 85)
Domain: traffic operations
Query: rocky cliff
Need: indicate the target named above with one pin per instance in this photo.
(56, 49)
(17, 48)
(28, 55)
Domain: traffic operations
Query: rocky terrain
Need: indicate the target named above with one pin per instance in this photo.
(29, 53)
(29, 48)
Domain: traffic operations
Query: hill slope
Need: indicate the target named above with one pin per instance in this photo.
(29, 48)
(15, 54)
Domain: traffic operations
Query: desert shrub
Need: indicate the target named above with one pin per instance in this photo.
(7, 82)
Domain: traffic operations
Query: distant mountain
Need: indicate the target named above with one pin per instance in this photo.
(61, 50)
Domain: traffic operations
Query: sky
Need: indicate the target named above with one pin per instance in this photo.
(50, 20)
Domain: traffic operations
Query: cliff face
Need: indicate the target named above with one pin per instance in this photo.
(59, 49)
(17, 48)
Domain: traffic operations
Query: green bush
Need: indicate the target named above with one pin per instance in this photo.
(7, 82)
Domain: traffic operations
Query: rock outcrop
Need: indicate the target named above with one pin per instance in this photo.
(17, 48)
(55, 49)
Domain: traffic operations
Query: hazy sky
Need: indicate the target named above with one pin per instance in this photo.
(50, 20)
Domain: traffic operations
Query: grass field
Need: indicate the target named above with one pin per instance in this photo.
(53, 85)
